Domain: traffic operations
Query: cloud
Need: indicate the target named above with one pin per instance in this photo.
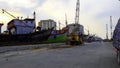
(56, 10)
(20, 3)
(25, 7)
(93, 13)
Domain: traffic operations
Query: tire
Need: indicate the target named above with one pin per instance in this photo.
(118, 57)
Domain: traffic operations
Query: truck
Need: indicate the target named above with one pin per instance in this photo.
(75, 34)
(116, 41)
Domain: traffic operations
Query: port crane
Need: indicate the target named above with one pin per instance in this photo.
(75, 33)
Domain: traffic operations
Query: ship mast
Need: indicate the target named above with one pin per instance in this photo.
(66, 20)
(34, 14)
(59, 25)
(1, 24)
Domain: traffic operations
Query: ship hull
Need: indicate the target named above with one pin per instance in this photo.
(57, 38)
(38, 36)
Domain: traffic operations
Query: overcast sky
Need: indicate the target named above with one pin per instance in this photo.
(94, 14)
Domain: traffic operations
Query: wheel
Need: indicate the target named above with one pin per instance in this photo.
(118, 57)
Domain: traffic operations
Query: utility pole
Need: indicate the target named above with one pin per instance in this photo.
(107, 31)
(111, 26)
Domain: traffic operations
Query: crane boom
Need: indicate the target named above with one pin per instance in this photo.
(4, 11)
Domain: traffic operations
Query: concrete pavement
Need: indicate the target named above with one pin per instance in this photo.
(91, 55)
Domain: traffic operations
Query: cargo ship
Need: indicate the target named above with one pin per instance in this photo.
(24, 31)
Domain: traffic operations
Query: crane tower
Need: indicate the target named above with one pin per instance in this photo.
(77, 12)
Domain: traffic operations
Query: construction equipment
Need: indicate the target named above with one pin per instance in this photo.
(75, 32)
